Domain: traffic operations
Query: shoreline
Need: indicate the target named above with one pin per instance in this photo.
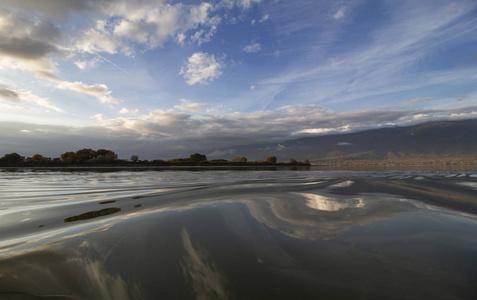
(368, 167)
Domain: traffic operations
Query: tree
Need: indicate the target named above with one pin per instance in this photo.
(69, 158)
(196, 157)
(38, 159)
(178, 160)
(242, 159)
(307, 162)
(134, 158)
(293, 161)
(12, 158)
(104, 155)
(272, 160)
(85, 155)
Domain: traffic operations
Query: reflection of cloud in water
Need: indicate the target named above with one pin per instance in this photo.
(343, 184)
(207, 281)
(317, 216)
(48, 271)
(321, 202)
(472, 185)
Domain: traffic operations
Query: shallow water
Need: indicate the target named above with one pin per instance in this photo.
(238, 235)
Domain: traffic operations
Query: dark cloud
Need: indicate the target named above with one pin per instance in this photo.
(47, 75)
(26, 48)
(9, 94)
(59, 10)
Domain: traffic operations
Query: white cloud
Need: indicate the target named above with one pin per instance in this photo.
(339, 14)
(252, 48)
(126, 111)
(252, 87)
(187, 105)
(204, 36)
(264, 18)
(246, 4)
(180, 38)
(81, 64)
(86, 63)
(201, 68)
(149, 25)
(98, 117)
(99, 91)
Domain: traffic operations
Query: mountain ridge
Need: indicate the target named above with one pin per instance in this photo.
(427, 141)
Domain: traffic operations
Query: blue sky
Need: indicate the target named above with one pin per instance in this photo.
(167, 78)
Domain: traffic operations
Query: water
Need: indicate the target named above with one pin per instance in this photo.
(238, 235)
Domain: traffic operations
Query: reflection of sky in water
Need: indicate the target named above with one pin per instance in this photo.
(228, 234)
(320, 202)
(469, 184)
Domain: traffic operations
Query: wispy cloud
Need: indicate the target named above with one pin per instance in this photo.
(382, 65)
(99, 91)
(187, 105)
(19, 95)
(252, 48)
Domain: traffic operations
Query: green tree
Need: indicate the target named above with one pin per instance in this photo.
(38, 159)
(293, 161)
(196, 157)
(69, 158)
(85, 155)
(272, 160)
(13, 158)
(134, 158)
(104, 155)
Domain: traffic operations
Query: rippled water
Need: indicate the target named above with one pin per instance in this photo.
(238, 235)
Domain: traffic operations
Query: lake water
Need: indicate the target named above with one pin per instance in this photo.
(238, 234)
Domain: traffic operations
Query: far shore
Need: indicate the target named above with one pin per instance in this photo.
(278, 167)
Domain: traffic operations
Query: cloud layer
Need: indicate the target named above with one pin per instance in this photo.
(168, 134)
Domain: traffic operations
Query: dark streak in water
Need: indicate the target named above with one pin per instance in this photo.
(107, 202)
(94, 214)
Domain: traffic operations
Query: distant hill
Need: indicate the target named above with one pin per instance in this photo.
(424, 142)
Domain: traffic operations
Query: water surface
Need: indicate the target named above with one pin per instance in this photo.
(238, 235)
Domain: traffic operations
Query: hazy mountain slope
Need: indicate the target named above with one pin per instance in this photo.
(432, 139)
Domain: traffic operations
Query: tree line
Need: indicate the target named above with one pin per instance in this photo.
(108, 157)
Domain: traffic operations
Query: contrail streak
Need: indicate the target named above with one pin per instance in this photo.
(115, 65)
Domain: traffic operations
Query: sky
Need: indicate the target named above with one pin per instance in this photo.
(164, 79)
